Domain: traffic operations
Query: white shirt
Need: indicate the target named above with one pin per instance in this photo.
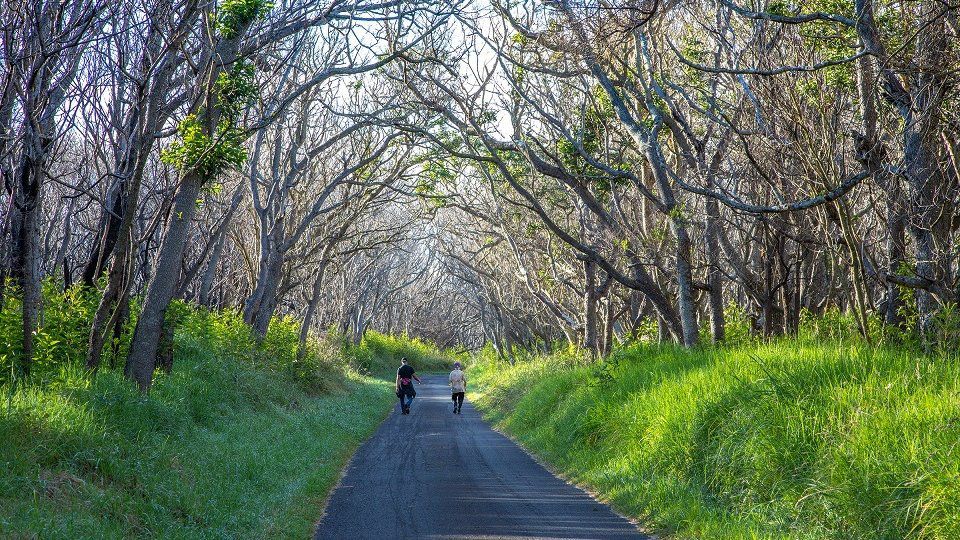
(457, 381)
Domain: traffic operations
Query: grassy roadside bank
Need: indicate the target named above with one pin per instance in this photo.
(791, 439)
(241, 440)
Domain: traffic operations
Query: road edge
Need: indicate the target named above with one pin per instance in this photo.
(596, 496)
(343, 470)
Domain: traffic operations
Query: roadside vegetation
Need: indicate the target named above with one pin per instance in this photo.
(240, 440)
(818, 436)
(380, 354)
(213, 183)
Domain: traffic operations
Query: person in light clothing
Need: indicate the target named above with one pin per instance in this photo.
(458, 385)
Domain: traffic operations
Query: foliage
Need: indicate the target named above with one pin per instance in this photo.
(831, 325)
(62, 336)
(235, 88)
(647, 331)
(62, 339)
(738, 329)
(589, 138)
(380, 354)
(945, 329)
(234, 15)
(207, 149)
(208, 155)
(790, 439)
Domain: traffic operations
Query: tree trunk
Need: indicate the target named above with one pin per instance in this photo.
(141, 362)
(896, 254)
(268, 305)
(146, 336)
(210, 272)
(919, 104)
(872, 154)
(608, 326)
(856, 270)
(26, 261)
(5, 225)
(312, 306)
(259, 307)
(714, 274)
(684, 275)
(110, 225)
(590, 322)
(686, 306)
(119, 269)
(667, 314)
(120, 318)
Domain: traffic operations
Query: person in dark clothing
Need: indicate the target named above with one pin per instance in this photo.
(405, 377)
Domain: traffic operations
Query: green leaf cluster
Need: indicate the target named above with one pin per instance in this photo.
(596, 121)
(209, 156)
(235, 89)
(233, 15)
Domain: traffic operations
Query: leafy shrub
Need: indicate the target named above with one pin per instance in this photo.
(61, 338)
(831, 325)
(739, 328)
(945, 329)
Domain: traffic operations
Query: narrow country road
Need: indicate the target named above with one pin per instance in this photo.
(436, 475)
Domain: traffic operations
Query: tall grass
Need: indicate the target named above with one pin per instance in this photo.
(380, 354)
(241, 440)
(802, 438)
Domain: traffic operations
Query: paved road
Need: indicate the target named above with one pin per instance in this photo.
(436, 475)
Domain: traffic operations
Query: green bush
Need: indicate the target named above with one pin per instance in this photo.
(64, 330)
(61, 339)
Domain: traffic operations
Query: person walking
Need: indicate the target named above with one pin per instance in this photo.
(458, 385)
(405, 377)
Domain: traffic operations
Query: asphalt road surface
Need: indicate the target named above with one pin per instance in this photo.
(433, 474)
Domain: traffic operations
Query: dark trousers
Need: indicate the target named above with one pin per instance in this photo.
(458, 399)
(406, 392)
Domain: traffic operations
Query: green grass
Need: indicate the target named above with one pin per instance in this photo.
(793, 439)
(380, 354)
(219, 449)
(241, 440)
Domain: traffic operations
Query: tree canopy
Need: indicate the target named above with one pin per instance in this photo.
(521, 173)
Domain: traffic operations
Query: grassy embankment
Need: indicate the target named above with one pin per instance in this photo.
(240, 441)
(813, 437)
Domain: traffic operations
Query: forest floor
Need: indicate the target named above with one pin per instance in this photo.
(434, 474)
(788, 439)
